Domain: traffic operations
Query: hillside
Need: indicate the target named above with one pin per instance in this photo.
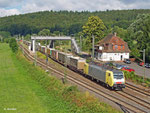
(68, 22)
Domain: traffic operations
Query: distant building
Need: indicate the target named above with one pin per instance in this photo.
(112, 48)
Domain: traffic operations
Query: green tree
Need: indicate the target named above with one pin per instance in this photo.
(94, 26)
(139, 31)
(56, 33)
(13, 45)
(44, 32)
(28, 37)
(122, 33)
(5, 34)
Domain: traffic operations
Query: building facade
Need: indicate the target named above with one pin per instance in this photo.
(112, 48)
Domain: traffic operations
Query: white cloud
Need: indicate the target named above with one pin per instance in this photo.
(26, 6)
(74, 5)
(4, 12)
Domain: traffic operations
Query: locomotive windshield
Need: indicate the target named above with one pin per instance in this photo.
(118, 75)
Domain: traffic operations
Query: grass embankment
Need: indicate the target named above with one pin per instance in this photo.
(28, 89)
(19, 93)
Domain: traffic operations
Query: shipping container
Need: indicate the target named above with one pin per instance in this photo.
(43, 49)
(68, 59)
(63, 57)
(77, 63)
(54, 54)
(97, 72)
(40, 48)
(48, 51)
(51, 51)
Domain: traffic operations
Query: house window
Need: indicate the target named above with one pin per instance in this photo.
(121, 46)
(116, 46)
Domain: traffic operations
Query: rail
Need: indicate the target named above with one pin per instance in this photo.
(126, 106)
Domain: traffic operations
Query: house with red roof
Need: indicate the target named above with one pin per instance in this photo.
(112, 48)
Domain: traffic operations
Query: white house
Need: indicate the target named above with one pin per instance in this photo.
(112, 48)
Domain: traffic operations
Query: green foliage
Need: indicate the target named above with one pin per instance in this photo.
(27, 37)
(68, 22)
(137, 79)
(135, 52)
(40, 55)
(122, 33)
(6, 40)
(139, 32)
(13, 45)
(44, 32)
(5, 34)
(27, 88)
(94, 26)
(70, 89)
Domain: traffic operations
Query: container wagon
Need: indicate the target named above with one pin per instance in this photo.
(48, 51)
(54, 55)
(51, 51)
(43, 49)
(64, 58)
(77, 63)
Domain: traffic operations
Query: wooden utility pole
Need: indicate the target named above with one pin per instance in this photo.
(80, 44)
(144, 63)
(93, 49)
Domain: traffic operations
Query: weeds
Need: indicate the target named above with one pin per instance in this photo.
(137, 79)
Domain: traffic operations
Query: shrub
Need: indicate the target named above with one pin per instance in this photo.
(136, 78)
(13, 45)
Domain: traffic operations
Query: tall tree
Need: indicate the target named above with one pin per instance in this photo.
(139, 31)
(44, 32)
(94, 26)
(122, 33)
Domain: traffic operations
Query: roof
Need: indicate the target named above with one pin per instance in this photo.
(110, 41)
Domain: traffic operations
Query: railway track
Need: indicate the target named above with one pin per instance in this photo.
(131, 98)
(137, 89)
(125, 105)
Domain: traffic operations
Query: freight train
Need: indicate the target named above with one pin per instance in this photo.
(112, 78)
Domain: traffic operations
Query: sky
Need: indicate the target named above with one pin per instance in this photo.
(15, 7)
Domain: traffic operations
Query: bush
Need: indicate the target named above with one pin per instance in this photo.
(13, 45)
(136, 78)
(6, 40)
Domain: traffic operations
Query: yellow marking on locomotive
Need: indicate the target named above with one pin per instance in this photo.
(109, 78)
(86, 68)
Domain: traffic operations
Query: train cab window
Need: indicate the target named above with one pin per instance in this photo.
(118, 75)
